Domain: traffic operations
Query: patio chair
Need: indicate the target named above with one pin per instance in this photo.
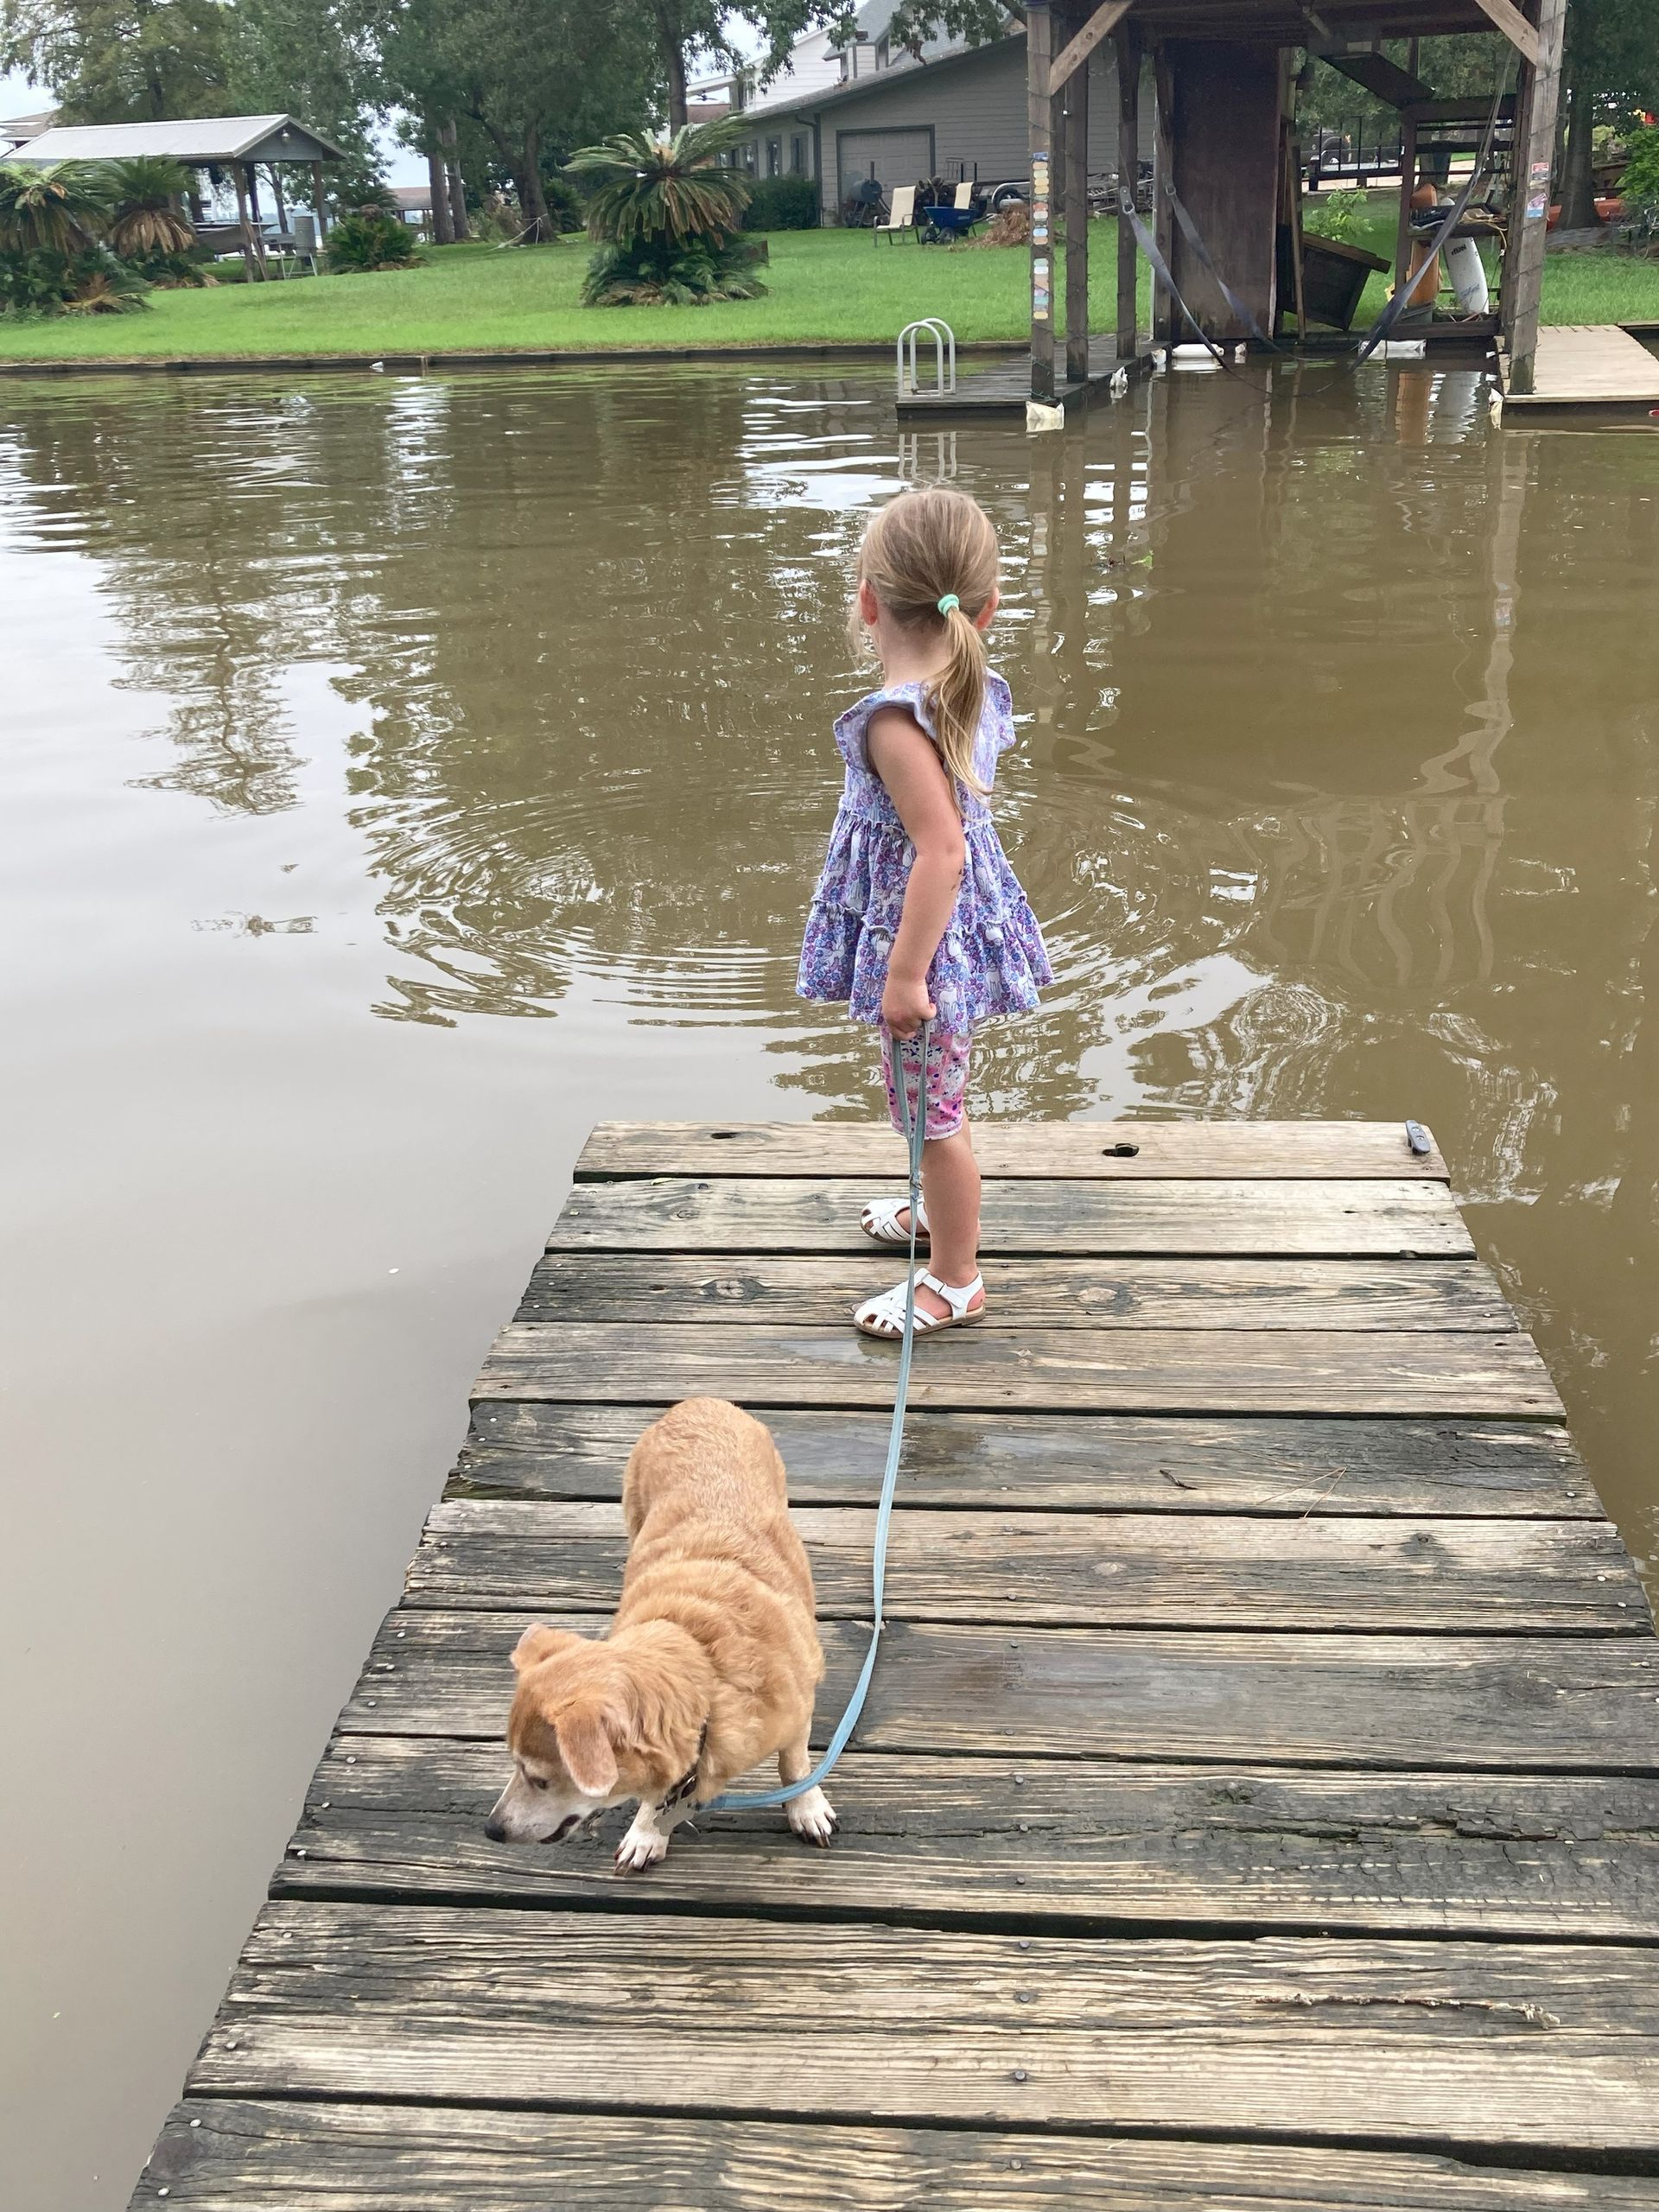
(901, 214)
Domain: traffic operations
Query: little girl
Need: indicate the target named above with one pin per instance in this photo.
(918, 915)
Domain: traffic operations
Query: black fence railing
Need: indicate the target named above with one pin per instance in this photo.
(1352, 153)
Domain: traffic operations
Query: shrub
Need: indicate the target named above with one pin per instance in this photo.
(61, 207)
(369, 240)
(657, 273)
(147, 225)
(1641, 177)
(782, 203)
(1339, 215)
(45, 280)
(648, 187)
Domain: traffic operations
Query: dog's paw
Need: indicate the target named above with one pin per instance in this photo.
(813, 1817)
(643, 1845)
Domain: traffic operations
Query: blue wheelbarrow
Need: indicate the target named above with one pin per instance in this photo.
(945, 224)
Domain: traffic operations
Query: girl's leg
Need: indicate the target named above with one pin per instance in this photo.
(950, 1173)
(951, 1187)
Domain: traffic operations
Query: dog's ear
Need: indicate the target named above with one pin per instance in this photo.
(586, 1747)
(538, 1642)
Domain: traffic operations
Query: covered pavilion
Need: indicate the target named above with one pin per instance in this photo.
(236, 144)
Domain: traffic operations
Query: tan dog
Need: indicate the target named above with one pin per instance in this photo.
(709, 1665)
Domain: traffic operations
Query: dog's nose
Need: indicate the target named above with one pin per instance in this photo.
(495, 1832)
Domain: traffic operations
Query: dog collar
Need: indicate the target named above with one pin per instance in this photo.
(687, 1785)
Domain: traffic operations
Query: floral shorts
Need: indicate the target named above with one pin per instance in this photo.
(947, 1079)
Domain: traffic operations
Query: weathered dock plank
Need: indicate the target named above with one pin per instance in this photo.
(1554, 2047)
(233, 2155)
(1046, 1151)
(1063, 1569)
(1082, 1463)
(1152, 1370)
(1550, 1704)
(1265, 1742)
(1074, 1842)
(671, 1288)
(1401, 1219)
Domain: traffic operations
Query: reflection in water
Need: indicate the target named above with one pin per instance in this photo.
(1337, 796)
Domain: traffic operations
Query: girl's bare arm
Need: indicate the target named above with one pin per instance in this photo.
(908, 763)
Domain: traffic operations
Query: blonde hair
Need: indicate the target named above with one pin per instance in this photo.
(923, 547)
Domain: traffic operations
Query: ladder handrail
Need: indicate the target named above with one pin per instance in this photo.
(945, 365)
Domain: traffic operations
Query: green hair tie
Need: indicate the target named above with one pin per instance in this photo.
(950, 604)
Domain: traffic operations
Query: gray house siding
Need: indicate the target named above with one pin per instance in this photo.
(965, 118)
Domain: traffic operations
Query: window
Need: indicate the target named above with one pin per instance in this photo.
(798, 157)
(774, 157)
(881, 52)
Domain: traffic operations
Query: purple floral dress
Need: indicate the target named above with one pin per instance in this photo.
(991, 959)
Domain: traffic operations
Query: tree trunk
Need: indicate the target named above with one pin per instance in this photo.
(668, 23)
(1577, 184)
(438, 185)
(527, 180)
(459, 228)
(282, 204)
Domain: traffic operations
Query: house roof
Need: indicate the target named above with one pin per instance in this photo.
(902, 72)
(16, 128)
(194, 141)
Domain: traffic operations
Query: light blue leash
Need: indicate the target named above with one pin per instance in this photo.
(915, 1129)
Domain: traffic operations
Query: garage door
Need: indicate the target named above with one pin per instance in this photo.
(891, 157)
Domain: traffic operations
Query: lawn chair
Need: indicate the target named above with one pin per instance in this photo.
(901, 214)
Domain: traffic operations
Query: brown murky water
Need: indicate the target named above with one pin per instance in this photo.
(399, 776)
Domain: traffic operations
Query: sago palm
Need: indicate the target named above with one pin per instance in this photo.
(145, 191)
(665, 188)
(59, 208)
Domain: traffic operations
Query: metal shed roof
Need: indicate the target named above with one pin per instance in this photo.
(194, 142)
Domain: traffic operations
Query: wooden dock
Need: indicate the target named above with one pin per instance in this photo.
(1586, 374)
(1002, 387)
(1258, 1799)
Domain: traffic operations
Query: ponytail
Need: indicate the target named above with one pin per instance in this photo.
(930, 557)
(956, 699)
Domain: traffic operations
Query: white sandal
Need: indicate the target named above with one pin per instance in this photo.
(884, 1317)
(880, 1219)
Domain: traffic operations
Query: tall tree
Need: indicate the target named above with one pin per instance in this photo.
(1609, 70)
(313, 59)
(120, 60)
(534, 76)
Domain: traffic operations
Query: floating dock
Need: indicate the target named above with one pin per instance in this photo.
(1588, 374)
(1258, 1798)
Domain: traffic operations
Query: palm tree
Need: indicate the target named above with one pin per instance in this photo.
(665, 188)
(59, 208)
(146, 191)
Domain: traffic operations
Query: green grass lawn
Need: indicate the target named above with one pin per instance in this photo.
(825, 286)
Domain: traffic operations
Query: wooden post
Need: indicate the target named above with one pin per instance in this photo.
(1408, 186)
(1293, 221)
(1040, 35)
(259, 230)
(1076, 97)
(316, 198)
(1533, 159)
(241, 219)
(1165, 317)
(1129, 177)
